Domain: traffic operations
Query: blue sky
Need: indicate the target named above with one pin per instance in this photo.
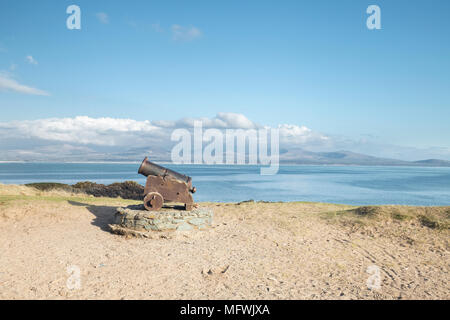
(311, 63)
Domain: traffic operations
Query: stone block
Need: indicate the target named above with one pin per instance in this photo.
(167, 219)
(197, 221)
(185, 227)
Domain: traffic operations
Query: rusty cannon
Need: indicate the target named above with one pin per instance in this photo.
(165, 185)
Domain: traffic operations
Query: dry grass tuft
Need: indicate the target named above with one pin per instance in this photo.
(431, 217)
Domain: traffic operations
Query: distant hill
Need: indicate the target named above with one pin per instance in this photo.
(291, 156)
(433, 163)
(299, 156)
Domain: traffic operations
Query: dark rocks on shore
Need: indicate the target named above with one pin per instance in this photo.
(125, 190)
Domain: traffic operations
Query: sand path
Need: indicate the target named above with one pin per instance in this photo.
(253, 251)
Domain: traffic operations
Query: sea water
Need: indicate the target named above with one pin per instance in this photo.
(357, 185)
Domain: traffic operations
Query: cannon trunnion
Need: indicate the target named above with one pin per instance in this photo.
(165, 185)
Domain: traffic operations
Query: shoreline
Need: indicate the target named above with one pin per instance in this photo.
(133, 190)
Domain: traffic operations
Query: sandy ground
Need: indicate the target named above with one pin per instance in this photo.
(252, 251)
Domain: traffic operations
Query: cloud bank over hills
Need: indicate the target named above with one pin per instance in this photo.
(84, 138)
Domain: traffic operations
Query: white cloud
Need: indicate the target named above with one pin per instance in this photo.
(9, 84)
(102, 17)
(114, 132)
(86, 138)
(180, 33)
(291, 134)
(83, 130)
(31, 60)
(223, 120)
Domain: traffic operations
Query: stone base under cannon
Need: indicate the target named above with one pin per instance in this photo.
(135, 220)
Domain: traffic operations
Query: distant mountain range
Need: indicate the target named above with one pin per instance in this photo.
(300, 156)
(433, 163)
(291, 156)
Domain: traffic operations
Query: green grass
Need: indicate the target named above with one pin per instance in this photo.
(437, 218)
(87, 199)
(400, 216)
(434, 223)
(432, 217)
(48, 186)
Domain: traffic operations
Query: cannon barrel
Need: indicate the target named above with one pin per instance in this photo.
(148, 168)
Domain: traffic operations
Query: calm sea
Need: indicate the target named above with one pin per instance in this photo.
(336, 184)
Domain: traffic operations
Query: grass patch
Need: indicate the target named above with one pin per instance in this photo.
(5, 199)
(432, 217)
(345, 217)
(125, 190)
(434, 222)
(50, 186)
(396, 215)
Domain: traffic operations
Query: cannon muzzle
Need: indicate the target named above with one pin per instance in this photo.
(149, 168)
